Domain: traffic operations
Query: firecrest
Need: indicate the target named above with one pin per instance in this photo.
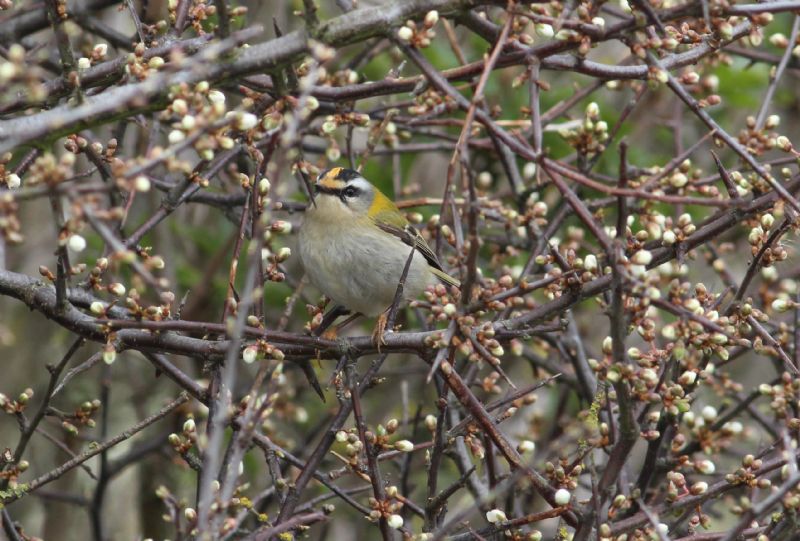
(354, 243)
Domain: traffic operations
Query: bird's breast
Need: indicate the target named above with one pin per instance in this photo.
(358, 265)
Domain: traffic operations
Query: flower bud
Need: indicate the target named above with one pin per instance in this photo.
(496, 515)
(109, 354)
(215, 96)
(141, 184)
(404, 446)
(544, 30)
(642, 257)
(246, 121)
(76, 243)
(706, 467)
(175, 137)
(562, 496)
(526, 446)
(405, 34)
(783, 143)
(431, 18)
(772, 122)
(249, 354)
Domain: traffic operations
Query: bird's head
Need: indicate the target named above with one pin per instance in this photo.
(344, 193)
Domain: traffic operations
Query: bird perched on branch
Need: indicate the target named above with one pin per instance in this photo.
(354, 244)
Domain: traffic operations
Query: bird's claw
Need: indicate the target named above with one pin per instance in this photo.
(380, 330)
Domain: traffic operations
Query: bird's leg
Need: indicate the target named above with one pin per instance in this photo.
(380, 329)
(329, 318)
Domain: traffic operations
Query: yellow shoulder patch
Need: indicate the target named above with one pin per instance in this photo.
(384, 209)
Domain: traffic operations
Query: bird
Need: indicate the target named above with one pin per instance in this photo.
(354, 243)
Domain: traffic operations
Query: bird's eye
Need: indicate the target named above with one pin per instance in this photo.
(350, 191)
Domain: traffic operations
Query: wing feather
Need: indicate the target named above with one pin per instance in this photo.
(410, 236)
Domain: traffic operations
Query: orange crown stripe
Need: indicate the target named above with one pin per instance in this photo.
(330, 179)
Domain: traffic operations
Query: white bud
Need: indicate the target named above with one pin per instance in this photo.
(329, 126)
(188, 122)
(97, 308)
(783, 143)
(215, 96)
(109, 355)
(593, 110)
(590, 262)
(563, 496)
(642, 257)
(117, 289)
(76, 243)
(526, 446)
(496, 515)
(189, 426)
(734, 427)
(13, 181)
(246, 121)
(599, 21)
(431, 18)
(755, 235)
(772, 121)
(84, 63)
(395, 522)
(404, 446)
(484, 179)
(706, 467)
(179, 106)
(175, 137)
(780, 305)
(709, 413)
(544, 30)
(405, 33)
(699, 488)
(779, 40)
(249, 354)
(282, 226)
(678, 180)
(529, 170)
(141, 184)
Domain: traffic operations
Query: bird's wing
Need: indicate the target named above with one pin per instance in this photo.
(399, 227)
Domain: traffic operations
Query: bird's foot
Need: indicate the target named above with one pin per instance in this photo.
(380, 330)
(331, 334)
